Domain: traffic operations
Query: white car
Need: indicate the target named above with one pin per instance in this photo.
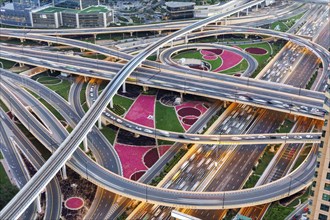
(284, 137)
(148, 131)
(236, 138)
(261, 137)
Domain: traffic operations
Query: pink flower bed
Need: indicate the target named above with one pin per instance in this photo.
(189, 112)
(256, 50)
(131, 158)
(142, 111)
(74, 203)
(229, 60)
(207, 53)
(136, 160)
(163, 149)
(210, 57)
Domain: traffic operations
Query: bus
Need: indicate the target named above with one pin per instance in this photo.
(175, 177)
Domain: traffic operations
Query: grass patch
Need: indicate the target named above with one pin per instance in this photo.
(311, 80)
(7, 190)
(279, 212)
(109, 133)
(302, 156)
(3, 106)
(166, 118)
(241, 67)
(285, 127)
(152, 58)
(118, 110)
(267, 156)
(194, 54)
(48, 80)
(122, 102)
(169, 165)
(7, 64)
(1, 157)
(62, 89)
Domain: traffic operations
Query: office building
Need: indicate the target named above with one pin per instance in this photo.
(320, 194)
(180, 10)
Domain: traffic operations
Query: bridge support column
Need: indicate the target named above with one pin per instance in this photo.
(49, 43)
(159, 32)
(22, 40)
(21, 64)
(202, 29)
(225, 104)
(124, 87)
(247, 11)
(295, 118)
(238, 14)
(131, 33)
(225, 20)
(85, 143)
(246, 36)
(64, 175)
(157, 54)
(181, 96)
(186, 39)
(257, 7)
(39, 209)
(111, 103)
(145, 88)
(99, 122)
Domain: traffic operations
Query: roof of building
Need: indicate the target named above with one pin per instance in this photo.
(91, 9)
(179, 4)
(95, 9)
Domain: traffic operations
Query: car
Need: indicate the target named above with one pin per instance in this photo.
(236, 138)
(195, 138)
(148, 131)
(308, 136)
(284, 137)
(273, 137)
(138, 128)
(304, 216)
(250, 138)
(119, 120)
(297, 137)
(165, 133)
(261, 137)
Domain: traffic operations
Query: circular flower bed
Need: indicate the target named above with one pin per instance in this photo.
(74, 203)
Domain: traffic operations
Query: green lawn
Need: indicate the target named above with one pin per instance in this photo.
(7, 190)
(122, 101)
(263, 163)
(302, 157)
(166, 118)
(7, 64)
(1, 157)
(279, 26)
(49, 80)
(241, 67)
(109, 133)
(3, 106)
(62, 89)
(286, 127)
(193, 54)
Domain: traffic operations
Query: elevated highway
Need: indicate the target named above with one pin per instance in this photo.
(136, 190)
(247, 92)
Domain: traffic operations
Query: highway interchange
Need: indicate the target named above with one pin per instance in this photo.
(187, 200)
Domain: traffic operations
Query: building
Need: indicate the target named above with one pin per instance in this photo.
(180, 10)
(320, 194)
(16, 14)
(75, 4)
(55, 17)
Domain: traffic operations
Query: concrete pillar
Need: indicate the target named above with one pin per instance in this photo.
(64, 175)
(225, 104)
(238, 14)
(246, 36)
(85, 78)
(257, 7)
(111, 103)
(145, 88)
(49, 43)
(295, 118)
(159, 32)
(85, 143)
(22, 40)
(186, 39)
(157, 54)
(181, 96)
(131, 33)
(247, 11)
(21, 64)
(99, 122)
(39, 209)
(172, 43)
(202, 29)
(225, 20)
(124, 87)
